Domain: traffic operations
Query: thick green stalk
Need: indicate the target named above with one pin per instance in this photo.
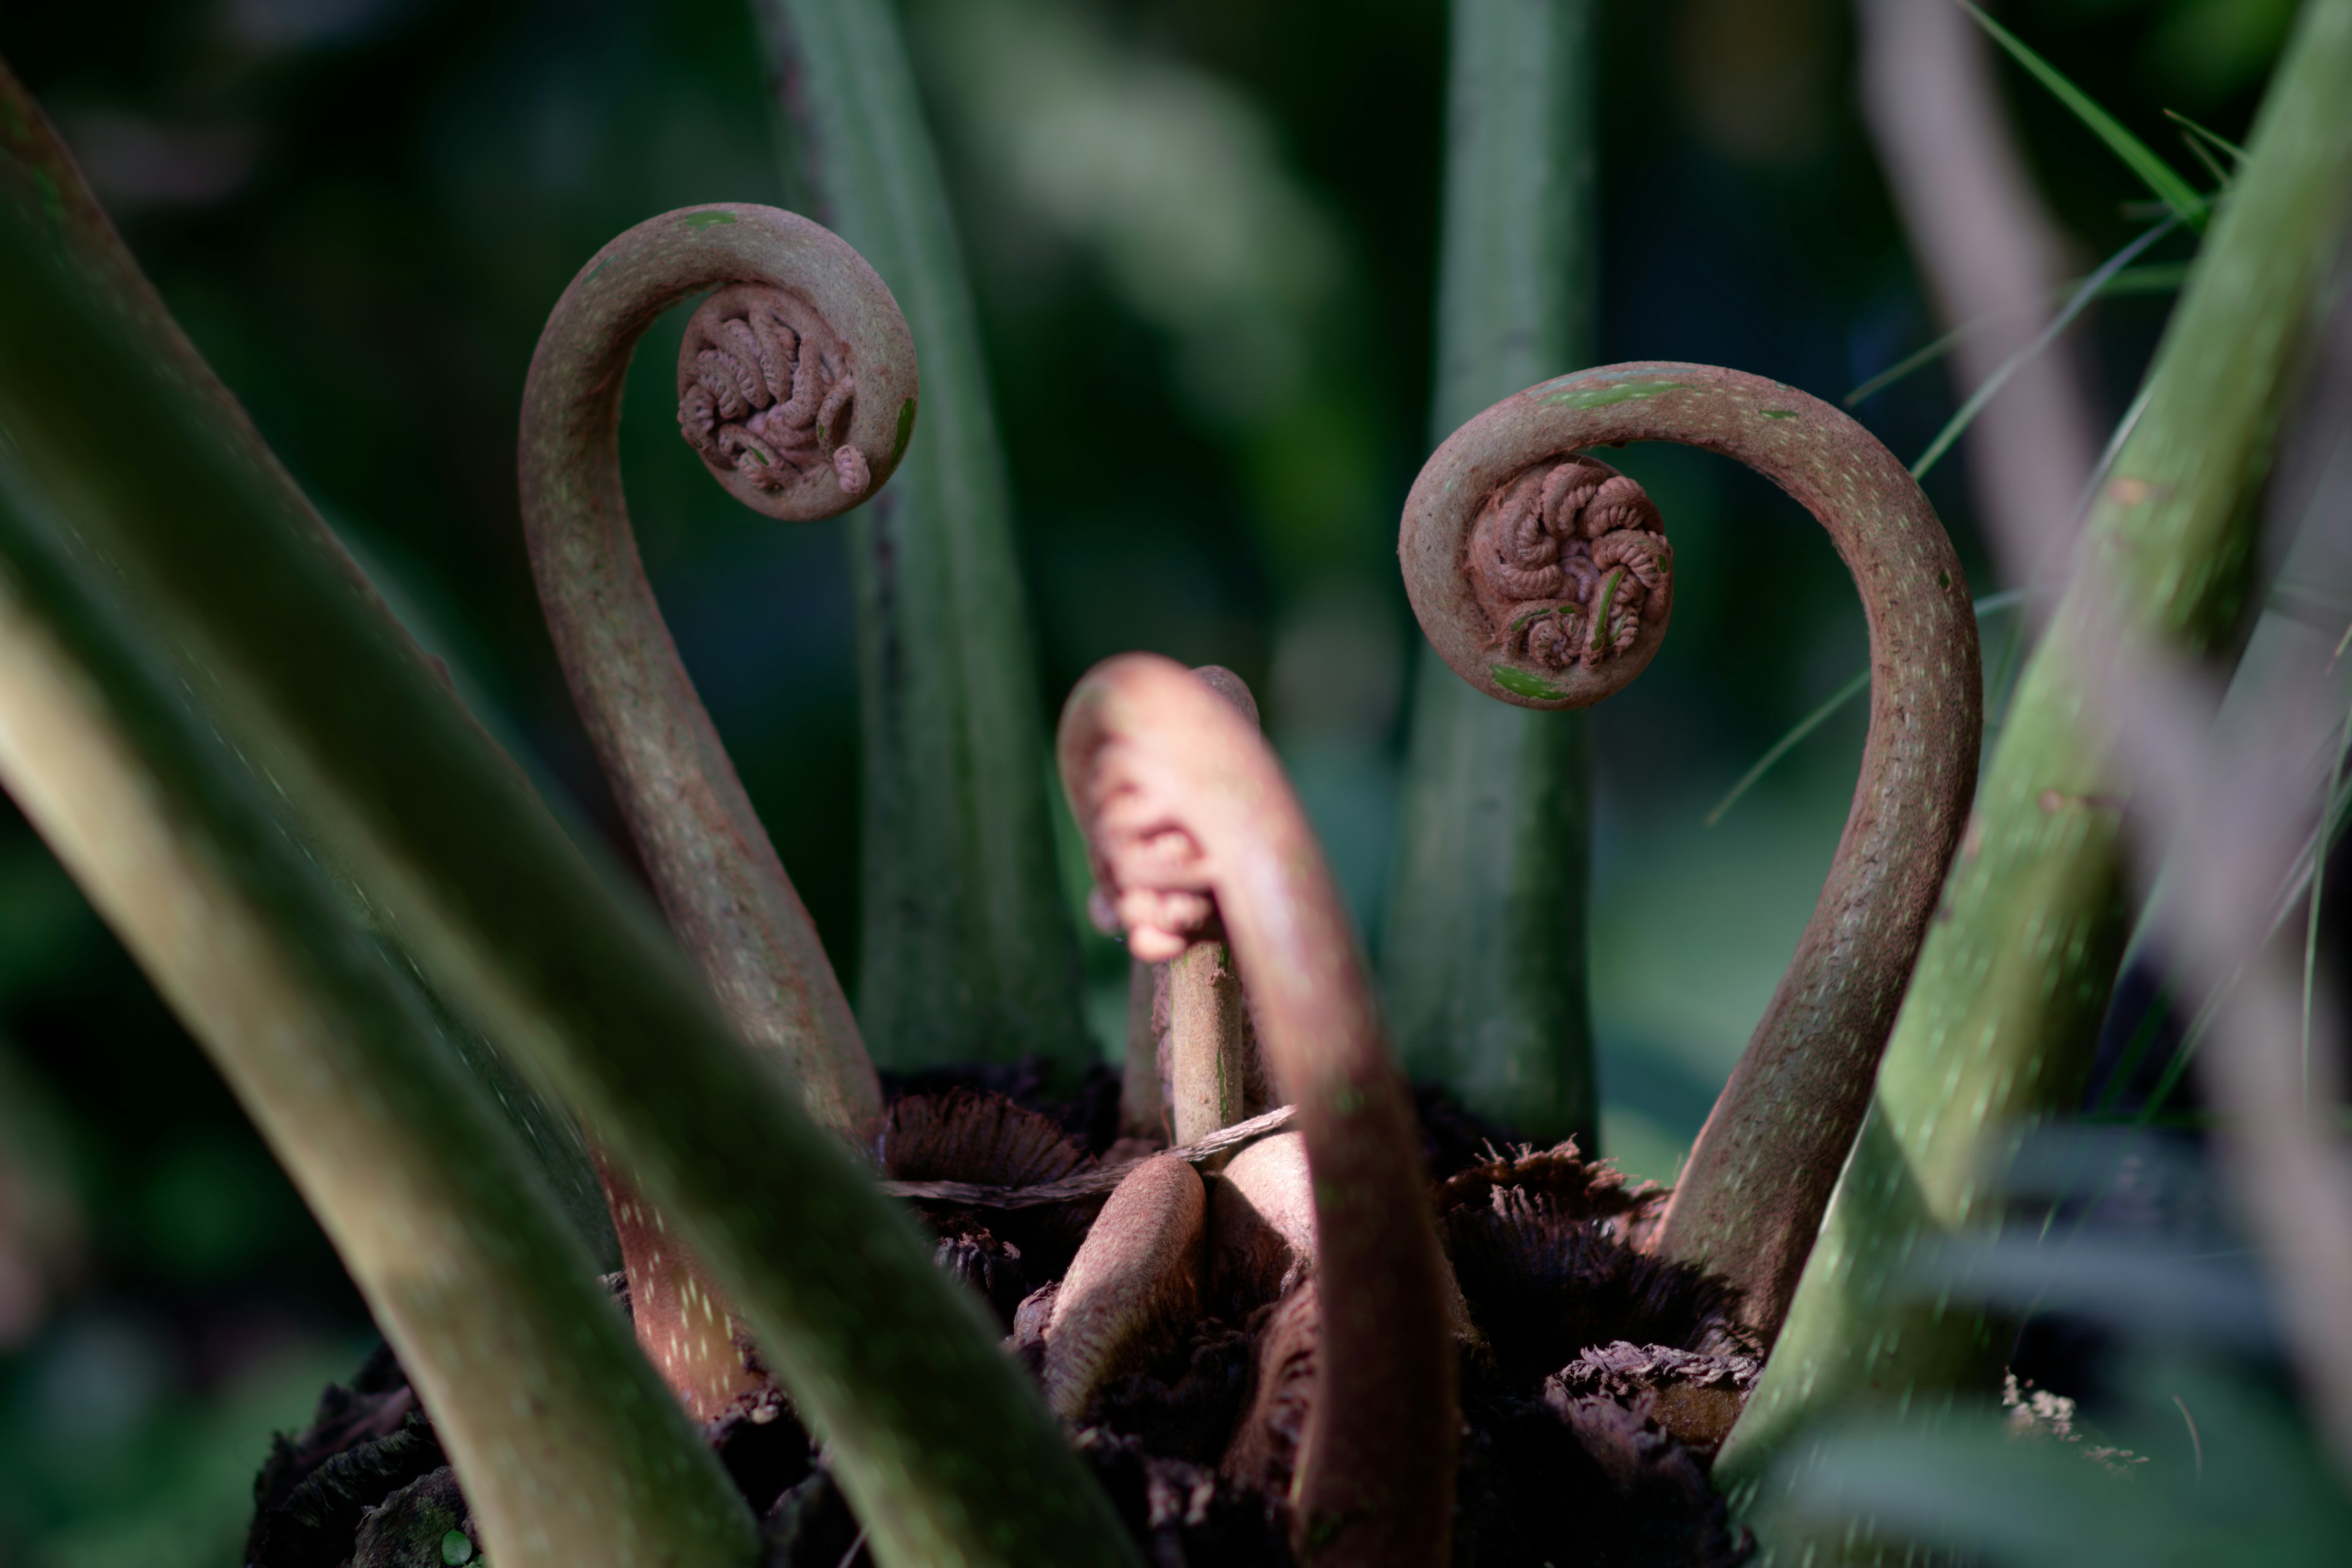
(1484, 953)
(40, 176)
(946, 1453)
(531, 1377)
(1998, 1030)
(966, 946)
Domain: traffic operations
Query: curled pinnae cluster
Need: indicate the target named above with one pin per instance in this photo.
(1568, 560)
(764, 398)
(1152, 873)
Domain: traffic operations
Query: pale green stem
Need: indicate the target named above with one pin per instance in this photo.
(1483, 954)
(1999, 1026)
(531, 1379)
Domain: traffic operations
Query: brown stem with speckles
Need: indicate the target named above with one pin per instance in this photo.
(1187, 815)
(1751, 1197)
(812, 353)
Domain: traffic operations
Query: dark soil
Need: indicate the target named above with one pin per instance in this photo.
(1595, 1388)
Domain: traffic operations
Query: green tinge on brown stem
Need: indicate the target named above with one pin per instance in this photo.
(458, 1246)
(2002, 1021)
(1147, 751)
(1208, 1027)
(967, 949)
(720, 884)
(1751, 1194)
(943, 1450)
(719, 881)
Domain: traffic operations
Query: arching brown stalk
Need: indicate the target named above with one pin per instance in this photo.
(797, 388)
(1188, 818)
(1546, 582)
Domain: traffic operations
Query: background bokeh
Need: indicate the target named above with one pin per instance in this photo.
(1203, 234)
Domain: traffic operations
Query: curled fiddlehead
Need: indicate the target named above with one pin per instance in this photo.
(797, 388)
(1491, 516)
(1188, 819)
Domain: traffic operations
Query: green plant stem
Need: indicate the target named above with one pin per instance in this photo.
(966, 948)
(40, 176)
(2001, 1019)
(1482, 956)
(944, 1450)
(532, 1380)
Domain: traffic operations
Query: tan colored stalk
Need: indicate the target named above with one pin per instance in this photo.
(1188, 818)
(1136, 1280)
(1507, 533)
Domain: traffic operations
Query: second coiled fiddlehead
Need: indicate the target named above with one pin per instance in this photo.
(797, 388)
(1491, 535)
(1188, 819)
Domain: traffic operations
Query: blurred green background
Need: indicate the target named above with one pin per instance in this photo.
(1203, 237)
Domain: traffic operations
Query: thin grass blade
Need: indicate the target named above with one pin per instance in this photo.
(2161, 177)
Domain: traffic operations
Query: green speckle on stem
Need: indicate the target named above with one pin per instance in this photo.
(1943, 579)
(707, 220)
(1520, 683)
(1590, 395)
(1608, 586)
(906, 431)
(1780, 414)
(456, 1548)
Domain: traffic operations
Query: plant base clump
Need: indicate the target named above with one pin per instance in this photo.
(1597, 1381)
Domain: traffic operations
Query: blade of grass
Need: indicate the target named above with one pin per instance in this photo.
(2156, 278)
(2074, 306)
(1787, 742)
(2237, 154)
(2159, 176)
(1821, 715)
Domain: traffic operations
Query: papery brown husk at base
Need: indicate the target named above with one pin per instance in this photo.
(1594, 1390)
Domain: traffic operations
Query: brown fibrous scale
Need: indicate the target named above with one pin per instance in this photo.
(765, 389)
(1568, 560)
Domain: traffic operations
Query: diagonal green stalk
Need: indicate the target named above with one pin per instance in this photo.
(39, 174)
(2001, 1019)
(532, 1380)
(1483, 956)
(2159, 176)
(966, 946)
(943, 1450)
